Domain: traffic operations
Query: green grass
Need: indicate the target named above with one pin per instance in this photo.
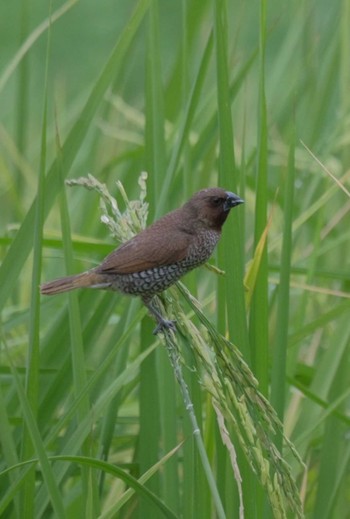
(253, 97)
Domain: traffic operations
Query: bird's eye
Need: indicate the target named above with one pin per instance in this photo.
(217, 201)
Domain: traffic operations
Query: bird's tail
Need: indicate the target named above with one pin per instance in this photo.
(86, 279)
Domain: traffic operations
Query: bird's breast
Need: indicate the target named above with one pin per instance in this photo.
(202, 247)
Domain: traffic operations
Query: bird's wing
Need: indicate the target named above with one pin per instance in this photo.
(148, 250)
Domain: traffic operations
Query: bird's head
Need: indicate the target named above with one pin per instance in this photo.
(211, 206)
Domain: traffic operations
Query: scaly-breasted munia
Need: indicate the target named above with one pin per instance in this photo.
(158, 256)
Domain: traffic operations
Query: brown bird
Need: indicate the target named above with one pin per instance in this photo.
(159, 255)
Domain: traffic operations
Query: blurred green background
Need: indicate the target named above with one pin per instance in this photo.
(253, 96)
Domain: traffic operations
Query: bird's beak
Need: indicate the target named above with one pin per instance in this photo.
(231, 201)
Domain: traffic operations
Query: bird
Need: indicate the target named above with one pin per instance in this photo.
(159, 255)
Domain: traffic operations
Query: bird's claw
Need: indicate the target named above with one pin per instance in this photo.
(164, 325)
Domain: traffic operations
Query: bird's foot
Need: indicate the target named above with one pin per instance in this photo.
(164, 325)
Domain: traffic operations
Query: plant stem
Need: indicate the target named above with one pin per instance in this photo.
(176, 365)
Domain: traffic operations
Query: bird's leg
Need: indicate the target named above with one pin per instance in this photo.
(162, 323)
